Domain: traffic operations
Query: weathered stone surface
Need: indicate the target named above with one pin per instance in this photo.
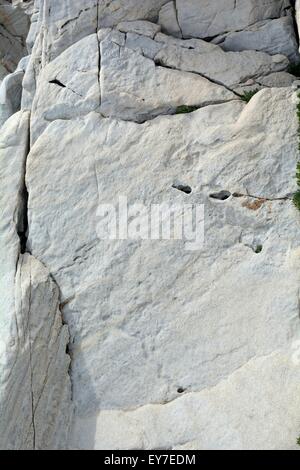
(271, 36)
(208, 420)
(277, 79)
(169, 21)
(172, 345)
(67, 87)
(10, 95)
(35, 405)
(297, 9)
(14, 26)
(61, 25)
(11, 91)
(148, 318)
(208, 18)
(13, 149)
(139, 27)
(134, 88)
(111, 13)
(209, 60)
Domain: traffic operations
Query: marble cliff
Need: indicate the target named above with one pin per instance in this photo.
(142, 343)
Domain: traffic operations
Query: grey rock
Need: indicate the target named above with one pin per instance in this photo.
(134, 88)
(209, 60)
(169, 21)
(68, 86)
(14, 27)
(271, 36)
(209, 18)
(164, 343)
(10, 95)
(147, 318)
(35, 401)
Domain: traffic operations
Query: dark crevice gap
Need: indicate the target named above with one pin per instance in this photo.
(23, 226)
(62, 85)
(57, 82)
(23, 230)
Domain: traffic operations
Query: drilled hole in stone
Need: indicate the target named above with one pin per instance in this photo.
(182, 187)
(221, 195)
(181, 390)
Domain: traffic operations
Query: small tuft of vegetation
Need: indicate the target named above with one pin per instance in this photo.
(186, 109)
(296, 197)
(294, 69)
(249, 94)
(298, 441)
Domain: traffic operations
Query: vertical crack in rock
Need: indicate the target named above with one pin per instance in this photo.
(99, 51)
(35, 388)
(23, 222)
(35, 400)
(23, 237)
(177, 17)
(31, 370)
(293, 4)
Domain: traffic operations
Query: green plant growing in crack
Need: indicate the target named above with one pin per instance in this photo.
(249, 94)
(296, 197)
(183, 109)
(298, 441)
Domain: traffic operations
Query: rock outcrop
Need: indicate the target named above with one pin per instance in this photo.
(133, 342)
(35, 405)
(14, 27)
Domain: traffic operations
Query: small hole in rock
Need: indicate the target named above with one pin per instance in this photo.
(221, 196)
(182, 187)
(258, 249)
(181, 390)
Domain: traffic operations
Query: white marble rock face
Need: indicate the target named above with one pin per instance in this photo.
(35, 405)
(137, 343)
